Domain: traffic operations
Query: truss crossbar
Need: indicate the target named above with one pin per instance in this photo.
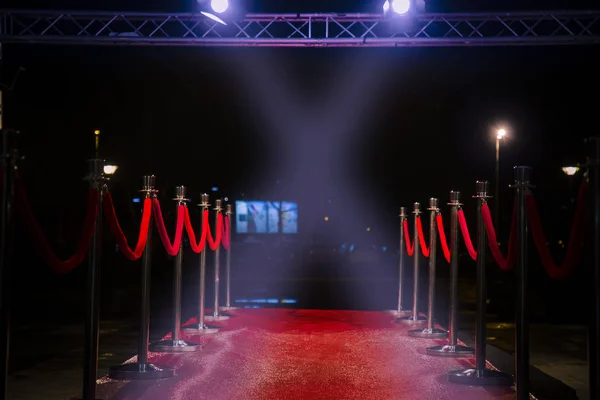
(305, 30)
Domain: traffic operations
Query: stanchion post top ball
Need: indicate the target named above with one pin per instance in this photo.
(96, 176)
(218, 205)
(403, 213)
(417, 208)
(482, 189)
(454, 198)
(180, 194)
(522, 174)
(148, 184)
(228, 210)
(204, 198)
(434, 204)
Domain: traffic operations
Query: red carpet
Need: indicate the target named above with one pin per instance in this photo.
(306, 354)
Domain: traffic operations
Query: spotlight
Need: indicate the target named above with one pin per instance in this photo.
(396, 8)
(399, 7)
(219, 6)
(212, 8)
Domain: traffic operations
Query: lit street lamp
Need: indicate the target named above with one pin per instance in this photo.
(110, 169)
(500, 134)
(570, 171)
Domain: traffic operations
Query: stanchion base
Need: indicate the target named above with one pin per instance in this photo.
(428, 333)
(175, 346)
(411, 320)
(399, 313)
(198, 329)
(448, 350)
(480, 377)
(137, 371)
(220, 317)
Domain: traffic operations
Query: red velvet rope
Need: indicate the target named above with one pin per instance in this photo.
(508, 263)
(40, 243)
(410, 247)
(575, 240)
(422, 242)
(462, 222)
(196, 247)
(442, 233)
(171, 248)
(117, 232)
(226, 233)
(215, 243)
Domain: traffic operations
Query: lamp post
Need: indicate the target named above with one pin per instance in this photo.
(570, 171)
(500, 134)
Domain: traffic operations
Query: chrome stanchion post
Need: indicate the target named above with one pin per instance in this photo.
(453, 349)
(401, 311)
(9, 162)
(176, 344)
(480, 375)
(200, 327)
(97, 181)
(142, 369)
(522, 185)
(228, 306)
(594, 330)
(415, 318)
(217, 316)
(431, 332)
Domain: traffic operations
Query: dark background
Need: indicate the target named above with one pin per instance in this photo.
(178, 113)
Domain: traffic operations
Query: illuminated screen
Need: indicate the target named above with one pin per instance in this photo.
(263, 217)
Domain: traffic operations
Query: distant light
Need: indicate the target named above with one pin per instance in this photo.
(288, 301)
(384, 249)
(500, 133)
(226, 199)
(369, 229)
(97, 132)
(219, 6)
(214, 189)
(137, 200)
(570, 170)
(326, 219)
(110, 169)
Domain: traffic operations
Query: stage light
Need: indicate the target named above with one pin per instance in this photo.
(110, 169)
(137, 200)
(399, 7)
(219, 6)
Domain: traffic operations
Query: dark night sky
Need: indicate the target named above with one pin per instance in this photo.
(178, 113)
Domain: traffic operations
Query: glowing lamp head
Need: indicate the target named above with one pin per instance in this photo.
(399, 7)
(110, 169)
(219, 6)
(570, 170)
(501, 133)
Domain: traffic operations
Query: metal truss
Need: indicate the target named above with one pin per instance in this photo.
(301, 30)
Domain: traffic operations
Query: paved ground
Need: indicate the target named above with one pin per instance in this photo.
(47, 359)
